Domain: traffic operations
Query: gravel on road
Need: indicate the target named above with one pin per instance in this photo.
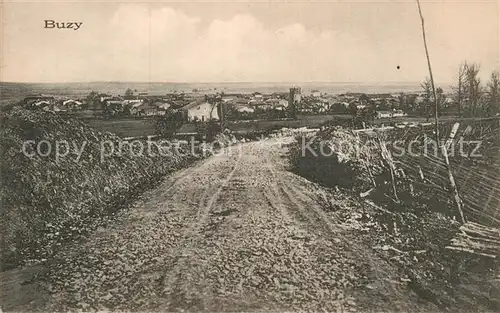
(235, 232)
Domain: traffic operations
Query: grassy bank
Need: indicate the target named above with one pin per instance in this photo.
(47, 201)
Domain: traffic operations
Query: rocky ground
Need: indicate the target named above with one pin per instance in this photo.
(235, 232)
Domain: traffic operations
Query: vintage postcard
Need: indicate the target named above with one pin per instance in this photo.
(250, 156)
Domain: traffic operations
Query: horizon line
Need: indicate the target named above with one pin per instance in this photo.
(222, 82)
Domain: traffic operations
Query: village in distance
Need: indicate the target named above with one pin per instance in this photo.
(180, 111)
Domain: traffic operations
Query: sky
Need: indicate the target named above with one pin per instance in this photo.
(224, 41)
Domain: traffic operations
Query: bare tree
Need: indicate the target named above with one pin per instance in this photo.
(93, 100)
(427, 89)
(493, 94)
(459, 88)
(441, 97)
(218, 106)
(129, 93)
(472, 89)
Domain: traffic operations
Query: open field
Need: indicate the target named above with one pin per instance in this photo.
(144, 126)
(124, 127)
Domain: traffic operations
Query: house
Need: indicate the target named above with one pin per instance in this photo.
(322, 106)
(114, 102)
(47, 106)
(449, 100)
(175, 104)
(399, 113)
(419, 99)
(114, 105)
(280, 105)
(263, 107)
(103, 97)
(316, 93)
(200, 110)
(42, 104)
(384, 114)
(241, 101)
(283, 103)
(257, 96)
(162, 105)
(72, 104)
(271, 101)
(255, 102)
(227, 99)
(133, 110)
(33, 99)
(135, 102)
(244, 109)
(149, 109)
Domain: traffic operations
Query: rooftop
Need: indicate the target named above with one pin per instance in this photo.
(193, 104)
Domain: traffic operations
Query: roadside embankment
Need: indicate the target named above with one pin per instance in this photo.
(406, 165)
(60, 179)
(405, 209)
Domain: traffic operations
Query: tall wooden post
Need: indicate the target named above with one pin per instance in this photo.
(430, 74)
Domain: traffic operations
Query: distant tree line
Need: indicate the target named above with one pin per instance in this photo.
(471, 97)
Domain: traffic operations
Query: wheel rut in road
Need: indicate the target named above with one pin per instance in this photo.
(237, 232)
(205, 205)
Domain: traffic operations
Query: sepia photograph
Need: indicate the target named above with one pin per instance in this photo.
(250, 156)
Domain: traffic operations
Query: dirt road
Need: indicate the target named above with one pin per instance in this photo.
(236, 232)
